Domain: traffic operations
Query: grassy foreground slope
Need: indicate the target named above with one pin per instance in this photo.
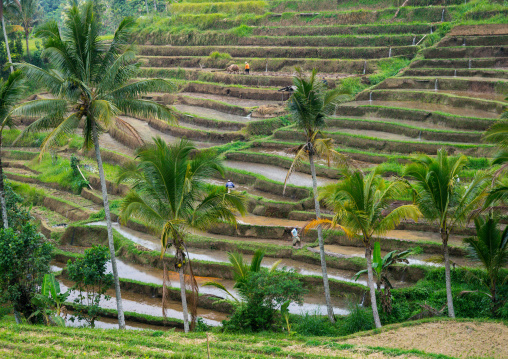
(422, 339)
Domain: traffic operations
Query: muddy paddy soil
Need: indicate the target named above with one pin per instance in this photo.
(277, 173)
(231, 100)
(214, 114)
(147, 133)
(434, 260)
(252, 191)
(429, 107)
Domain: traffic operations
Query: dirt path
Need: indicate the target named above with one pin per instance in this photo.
(462, 340)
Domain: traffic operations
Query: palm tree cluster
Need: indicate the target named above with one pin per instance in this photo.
(362, 203)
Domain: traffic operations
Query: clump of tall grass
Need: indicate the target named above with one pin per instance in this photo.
(216, 55)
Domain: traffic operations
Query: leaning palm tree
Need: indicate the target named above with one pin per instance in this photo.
(90, 81)
(360, 203)
(11, 92)
(490, 248)
(441, 199)
(6, 39)
(170, 195)
(25, 12)
(309, 105)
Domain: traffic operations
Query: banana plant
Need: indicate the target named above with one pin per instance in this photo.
(284, 310)
(241, 270)
(50, 301)
(380, 267)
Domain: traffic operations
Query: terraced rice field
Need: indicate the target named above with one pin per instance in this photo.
(417, 98)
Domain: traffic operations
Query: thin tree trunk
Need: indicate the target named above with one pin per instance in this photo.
(184, 301)
(6, 38)
(370, 278)
(2, 190)
(27, 47)
(155, 5)
(146, 4)
(119, 306)
(320, 239)
(448, 276)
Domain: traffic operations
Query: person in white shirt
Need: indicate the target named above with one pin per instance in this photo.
(296, 239)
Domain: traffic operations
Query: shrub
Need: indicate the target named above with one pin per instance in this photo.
(315, 325)
(24, 260)
(216, 55)
(359, 319)
(263, 293)
(92, 282)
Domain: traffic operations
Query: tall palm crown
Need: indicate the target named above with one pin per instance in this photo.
(490, 247)
(309, 105)
(438, 192)
(11, 92)
(89, 78)
(170, 194)
(440, 198)
(360, 203)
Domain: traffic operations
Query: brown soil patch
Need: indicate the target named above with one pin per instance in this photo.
(462, 340)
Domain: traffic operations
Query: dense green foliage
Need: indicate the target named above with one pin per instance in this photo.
(24, 259)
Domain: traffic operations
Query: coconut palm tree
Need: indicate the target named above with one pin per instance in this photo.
(11, 92)
(169, 194)
(490, 248)
(90, 81)
(441, 199)
(2, 16)
(309, 105)
(25, 12)
(360, 203)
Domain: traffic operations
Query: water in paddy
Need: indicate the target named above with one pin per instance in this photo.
(209, 113)
(312, 303)
(133, 302)
(277, 173)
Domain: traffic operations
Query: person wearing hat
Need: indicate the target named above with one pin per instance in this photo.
(247, 68)
(229, 185)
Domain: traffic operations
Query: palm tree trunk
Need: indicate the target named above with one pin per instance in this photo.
(27, 47)
(119, 306)
(448, 276)
(5, 35)
(2, 190)
(184, 301)
(320, 239)
(370, 278)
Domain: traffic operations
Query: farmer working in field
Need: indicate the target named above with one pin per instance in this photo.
(296, 239)
(229, 185)
(247, 68)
